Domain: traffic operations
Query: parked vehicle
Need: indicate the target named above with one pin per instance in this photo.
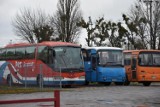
(46, 62)
(142, 66)
(104, 65)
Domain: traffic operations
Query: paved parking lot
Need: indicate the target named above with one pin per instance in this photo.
(96, 96)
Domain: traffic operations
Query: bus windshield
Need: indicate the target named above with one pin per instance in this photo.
(149, 59)
(68, 58)
(110, 58)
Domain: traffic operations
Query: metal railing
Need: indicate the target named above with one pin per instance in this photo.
(56, 100)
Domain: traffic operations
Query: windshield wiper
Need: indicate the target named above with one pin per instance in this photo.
(119, 65)
(110, 62)
(81, 68)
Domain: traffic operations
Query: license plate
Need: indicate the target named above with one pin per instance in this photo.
(114, 80)
(153, 77)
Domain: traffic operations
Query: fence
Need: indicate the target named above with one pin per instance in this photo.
(56, 100)
(44, 76)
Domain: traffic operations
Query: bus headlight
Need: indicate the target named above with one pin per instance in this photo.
(143, 72)
(82, 77)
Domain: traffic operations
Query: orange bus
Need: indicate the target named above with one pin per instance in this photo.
(142, 66)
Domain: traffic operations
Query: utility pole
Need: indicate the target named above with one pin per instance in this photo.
(90, 34)
(152, 34)
(151, 28)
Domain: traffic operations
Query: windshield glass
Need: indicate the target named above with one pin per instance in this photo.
(68, 58)
(149, 59)
(110, 58)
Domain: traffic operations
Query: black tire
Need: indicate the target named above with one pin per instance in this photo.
(146, 83)
(39, 80)
(67, 86)
(9, 80)
(107, 83)
(86, 83)
(126, 83)
(119, 83)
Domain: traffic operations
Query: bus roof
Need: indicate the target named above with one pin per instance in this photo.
(143, 50)
(104, 48)
(45, 43)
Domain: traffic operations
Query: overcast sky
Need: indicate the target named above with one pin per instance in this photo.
(110, 9)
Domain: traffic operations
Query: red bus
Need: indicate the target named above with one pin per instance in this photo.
(142, 66)
(48, 62)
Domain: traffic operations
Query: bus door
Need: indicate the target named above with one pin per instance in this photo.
(134, 68)
(93, 75)
(87, 64)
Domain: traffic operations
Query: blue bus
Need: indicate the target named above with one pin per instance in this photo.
(104, 65)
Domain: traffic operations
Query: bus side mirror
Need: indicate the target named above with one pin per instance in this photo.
(93, 52)
(54, 53)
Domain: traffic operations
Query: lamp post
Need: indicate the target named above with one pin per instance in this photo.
(90, 29)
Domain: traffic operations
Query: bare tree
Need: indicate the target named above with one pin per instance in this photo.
(65, 20)
(147, 11)
(30, 25)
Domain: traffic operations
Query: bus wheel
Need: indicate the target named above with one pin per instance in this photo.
(119, 83)
(9, 80)
(67, 86)
(86, 83)
(39, 80)
(126, 83)
(107, 83)
(146, 83)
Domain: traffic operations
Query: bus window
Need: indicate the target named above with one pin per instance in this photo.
(148, 59)
(20, 53)
(134, 63)
(2, 54)
(43, 53)
(10, 53)
(156, 59)
(30, 52)
(103, 57)
(127, 59)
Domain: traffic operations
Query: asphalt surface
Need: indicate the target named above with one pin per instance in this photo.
(95, 96)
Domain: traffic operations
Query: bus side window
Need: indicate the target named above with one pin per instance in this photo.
(127, 59)
(30, 52)
(2, 54)
(10, 53)
(20, 53)
(43, 54)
